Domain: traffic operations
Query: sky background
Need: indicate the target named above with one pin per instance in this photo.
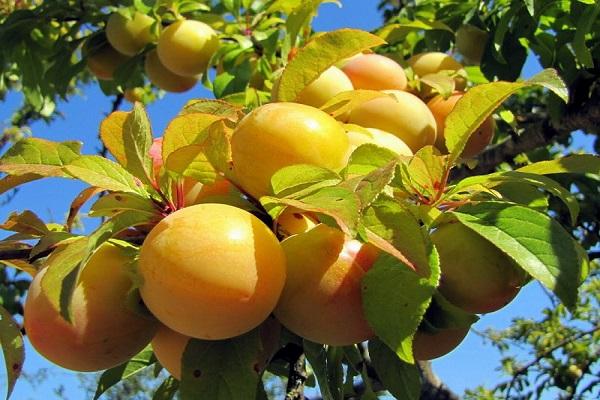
(473, 363)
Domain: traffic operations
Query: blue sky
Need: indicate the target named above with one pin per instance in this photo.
(471, 364)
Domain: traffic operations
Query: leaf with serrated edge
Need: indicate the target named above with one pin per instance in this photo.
(535, 241)
(480, 101)
(395, 299)
(344, 102)
(191, 161)
(319, 54)
(26, 222)
(39, 156)
(401, 379)
(137, 139)
(104, 173)
(367, 158)
(136, 364)
(114, 203)
(339, 203)
(220, 369)
(214, 107)
(539, 181)
(295, 179)
(185, 130)
(111, 134)
(13, 349)
(575, 163)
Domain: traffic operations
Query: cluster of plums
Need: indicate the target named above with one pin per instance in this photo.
(183, 49)
(212, 270)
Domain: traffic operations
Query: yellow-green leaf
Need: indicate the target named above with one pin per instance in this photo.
(13, 349)
(185, 130)
(26, 222)
(479, 102)
(319, 54)
(575, 164)
(104, 173)
(39, 156)
(111, 134)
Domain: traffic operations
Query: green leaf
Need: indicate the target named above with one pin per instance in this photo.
(538, 181)
(136, 364)
(335, 371)
(185, 130)
(395, 299)
(39, 156)
(220, 369)
(584, 25)
(339, 203)
(302, 179)
(192, 161)
(396, 225)
(373, 184)
(401, 379)
(214, 107)
(442, 315)
(396, 32)
(111, 134)
(575, 163)
(13, 349)
(167, 389)
(319, 54)
(316, 354)
(426, 171)
(480, 101)
(137, 139)
(535, 241)
(26, 222)
(367, 158)
(114, 203)
(104, 173)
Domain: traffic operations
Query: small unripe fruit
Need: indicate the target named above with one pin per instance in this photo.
(103, 60)
(478, 141)
(330, 83)
(186, 47)
(104, 332)
(276, 135)
(163, 78)
(211, 271)
(402, 114)
(476, 275)
(375, 72)
(322, 299)
(130, 36)
(427, 346)
(433, 62)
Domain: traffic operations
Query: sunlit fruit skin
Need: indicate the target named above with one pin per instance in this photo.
(375, 72)
(211, 271)
(104, 332)
(186, 47)
(476, 276)
(163, 78)
(379, 138)
(330, 83)
(433, 62)
(402, 114)
(280, 134)
(168, 347)
(293, 221)
(478, 141)
(322, 299)
(130, 36)
(104, 61)
(427, 346)
(470, 42)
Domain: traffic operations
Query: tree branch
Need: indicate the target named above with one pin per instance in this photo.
(297, 375)
(433, 388)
